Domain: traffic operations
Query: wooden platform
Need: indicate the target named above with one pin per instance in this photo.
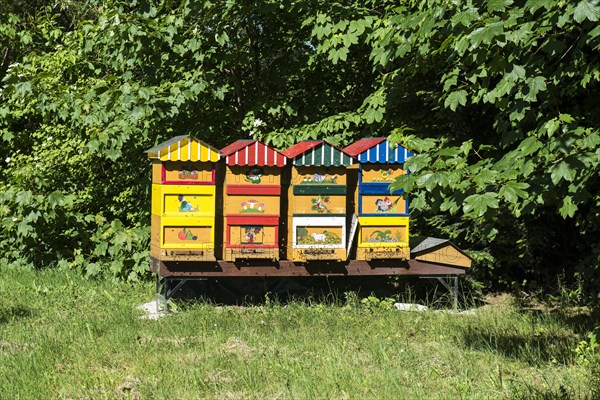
(173, 269)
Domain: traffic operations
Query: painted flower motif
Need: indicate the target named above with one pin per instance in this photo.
(257, 122)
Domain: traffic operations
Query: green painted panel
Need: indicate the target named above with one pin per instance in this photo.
(319, 189)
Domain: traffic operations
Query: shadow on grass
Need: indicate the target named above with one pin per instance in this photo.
(10, 313)
(529, 392)
(332, 290)
(581, 322)
(532, 349)
(580, 319)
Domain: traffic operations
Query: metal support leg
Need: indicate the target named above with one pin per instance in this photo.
(163, 293)
(455, 293)
(444, 284)
(453, 290)
(162, 290)
(157, 291)
(176, 288)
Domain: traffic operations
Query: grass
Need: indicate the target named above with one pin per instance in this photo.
(64, 336)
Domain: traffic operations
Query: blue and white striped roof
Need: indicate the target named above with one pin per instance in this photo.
(378, 151)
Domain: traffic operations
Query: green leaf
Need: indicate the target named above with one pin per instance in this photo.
(568, 209)
(486, 34)
(22, 88)
(373, 115)
(529, 146)
(561, 171)
(456, 98)
(586, 10)
(551, 127)
(485, 177)
(566, 118)
(534, 5)
(536, 85)
(517, 73)
(498, 5)
(222, 38)
(478, 204)
(433, 180)
(56, 199)
(24, 198)
(101, 248)
(25, 230)
(512, 190)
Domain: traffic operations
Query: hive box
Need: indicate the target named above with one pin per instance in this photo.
(383, 221)
(252, 196)
(183, 200)
(317, 202)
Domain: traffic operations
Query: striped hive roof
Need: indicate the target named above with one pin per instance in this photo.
(377, 151)
(184, 148)
(252, 153)
(318, 153)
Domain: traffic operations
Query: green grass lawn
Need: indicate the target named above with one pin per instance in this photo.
(63, 336)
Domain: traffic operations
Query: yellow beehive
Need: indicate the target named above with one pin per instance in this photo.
(317, 202)
(183, 200)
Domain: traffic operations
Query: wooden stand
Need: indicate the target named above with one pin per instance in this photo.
(263, 268)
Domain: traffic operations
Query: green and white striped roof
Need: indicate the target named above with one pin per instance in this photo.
(318, 153)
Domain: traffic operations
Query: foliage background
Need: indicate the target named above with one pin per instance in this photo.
(499, 98)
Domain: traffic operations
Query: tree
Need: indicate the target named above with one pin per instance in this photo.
(85, 99)
(500, 100)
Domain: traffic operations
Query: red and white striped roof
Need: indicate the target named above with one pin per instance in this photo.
(252, 153)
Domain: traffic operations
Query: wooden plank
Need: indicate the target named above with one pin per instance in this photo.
(157, 171)
(377, 188)
(288, 268)
(234, 219)
(265, 190)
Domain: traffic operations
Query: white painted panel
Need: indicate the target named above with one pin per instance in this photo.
(319, 221)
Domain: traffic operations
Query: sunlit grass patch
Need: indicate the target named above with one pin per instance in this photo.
(64, 336)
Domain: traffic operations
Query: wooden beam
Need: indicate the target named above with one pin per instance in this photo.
(264, 268)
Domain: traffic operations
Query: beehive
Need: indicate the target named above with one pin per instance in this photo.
(382, 216)
(183, 200)
(317, 202)
(252, 196)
